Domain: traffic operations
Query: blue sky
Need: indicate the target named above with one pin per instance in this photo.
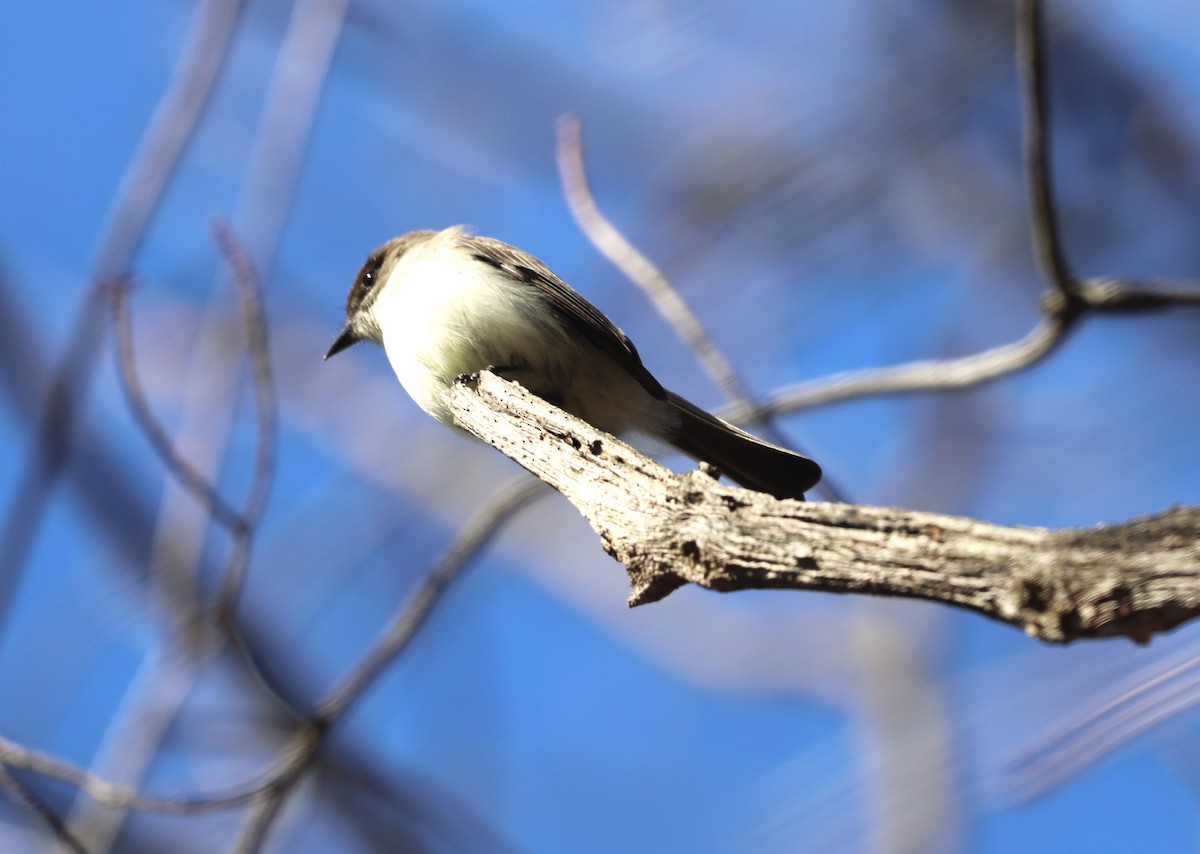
(831, 186)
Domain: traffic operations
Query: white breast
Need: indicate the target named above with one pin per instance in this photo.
(443, 313)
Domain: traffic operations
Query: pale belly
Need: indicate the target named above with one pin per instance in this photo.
(471, 324)
(455, 316)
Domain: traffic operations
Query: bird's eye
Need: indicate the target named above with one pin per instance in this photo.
(367, 280)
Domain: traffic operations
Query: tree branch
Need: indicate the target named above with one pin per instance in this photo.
(1133, 579)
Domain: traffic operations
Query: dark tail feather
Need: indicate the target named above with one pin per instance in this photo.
(746, 459)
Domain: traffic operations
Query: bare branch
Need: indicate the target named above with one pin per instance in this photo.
(1124, 294)
(266, 416)
(925, 375)
(297, 756)
(637, 267)
(472, 537)
(1031, 65)
(640, 270)
(1155, 693)
(113, 795)
(167, 135)
(1069, 300)
(1133, 579)
(250, 300)
(302, 750)
(241, 525)
(189, 477)
(19, 794)
(1101, 295)
(51, 446)
(260, 822)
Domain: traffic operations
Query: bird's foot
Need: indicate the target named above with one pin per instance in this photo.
(472, 378)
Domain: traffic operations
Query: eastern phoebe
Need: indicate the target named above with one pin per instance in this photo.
(445, 304)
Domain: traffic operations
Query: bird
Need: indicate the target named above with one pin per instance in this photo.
(446, 304)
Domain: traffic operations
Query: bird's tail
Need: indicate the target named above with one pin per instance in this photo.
(746, 459)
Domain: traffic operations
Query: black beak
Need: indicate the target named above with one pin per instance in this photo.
(346, 338)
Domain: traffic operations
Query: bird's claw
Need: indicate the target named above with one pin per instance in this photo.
(473, 377)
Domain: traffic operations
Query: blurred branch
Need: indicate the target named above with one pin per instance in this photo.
(474, 534)
(1067, 302)
(1133, 579)
(19, 794)
(1061, 316)
(1103, 294)
(271, 788)
(249, 290)
(472, 537)
(142, 187)
(170, 129)
(640, 270)
(135, 396)
(924, 375)
(304, 745)
(210, 402)
(164, 679)
(903, 729)
(1145, 698)
(116, 506)
(167, 135)
(117, 796)
(1047, 241)
(241, 524)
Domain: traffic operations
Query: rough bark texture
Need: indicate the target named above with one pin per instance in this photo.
(1134, 578)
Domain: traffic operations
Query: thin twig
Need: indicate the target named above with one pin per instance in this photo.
(250, 299)
(260, 822)
(636, 266)
(475, 533)
(168, 133)
(118, 796)
(1099, 295)
(304, 746)
(266, 414)
(157, 706)
(472, 537)
(1067, 301)
(298, 754)
(1124, 294)
(241, 524)
(189, 477)
(665, 297)
(23, 797)
(926, 375)
(1141, 702)
(1031, 66)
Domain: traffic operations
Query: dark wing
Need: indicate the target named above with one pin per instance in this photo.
(574, 310)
